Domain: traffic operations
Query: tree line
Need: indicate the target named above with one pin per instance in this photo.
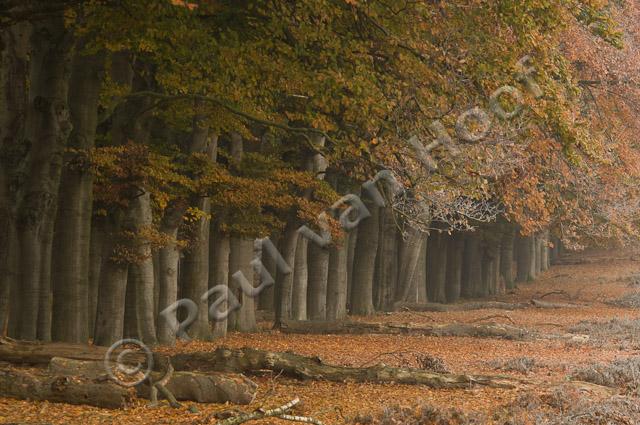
(145, 145)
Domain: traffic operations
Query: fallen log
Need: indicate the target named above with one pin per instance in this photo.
(550, 305)
(41, 353)
(253, 361)
(488, 330)
(185, 386)
(470, 306)
(32, 385)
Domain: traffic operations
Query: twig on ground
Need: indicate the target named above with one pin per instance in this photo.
(278, 412)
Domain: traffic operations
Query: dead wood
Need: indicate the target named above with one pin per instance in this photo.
(476, 305)
(253, 361)
(40, 385)
(490, 330)
(493, 316)
(191, 386)
(279, 412)
(41, 353)
(546, 304)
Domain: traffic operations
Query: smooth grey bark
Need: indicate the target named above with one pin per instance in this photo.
(195, 274)
(351, 249)
(386, 261)
(337, 281)
(318, 272)
(364, 261)
(410, 249)
(284, 281)
(507, 255)
(168, 259)
(555, 250)
(43, 332)
(195, 264)
(317, 257)
(544, 251)
(110, 306)
(14, 64)
(534, 257)
(537, 248)
(420, 274)
(131, 327)
(241, 255)
(300, 280)
(437, 266)
(70, 277)
(455, 251)
(110, 309)
(491, 254)
(47, 129)
(141, 271)
(472, 266)
(219, 275)
(523, 258)
(266, 300)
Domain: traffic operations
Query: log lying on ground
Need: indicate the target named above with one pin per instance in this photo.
(547, 304)
(41, 353)
(252, 361)
(479, 330)
(476, 305)
(31, 385)
(191, 386)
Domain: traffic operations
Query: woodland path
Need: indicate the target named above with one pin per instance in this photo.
(561, 343)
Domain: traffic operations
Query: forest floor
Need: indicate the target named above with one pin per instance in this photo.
(565, 341)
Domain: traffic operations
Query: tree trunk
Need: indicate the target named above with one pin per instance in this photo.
(14, 75)
(220, 275)
(364, 262)
(544, 251)
(54, 388)
(337, 281)
(386, 261)
(73, 224)
(244, 318)
(168, 259)
(48, 127)
(248, 360)
(523, 256)
(506, 255)
(95, 262)
(351, 252)
(195, 274)
(480, 330)
(437, 266)
(533, 249)
(110, 310)
(318, 270)
(472, 266)
(537, 249)
(284, 281)
(491, 254)
(455, 250)
(300, 280)
(266, 300)
(141, 271)
(411, 252)
(240, 257)
(195, 264)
